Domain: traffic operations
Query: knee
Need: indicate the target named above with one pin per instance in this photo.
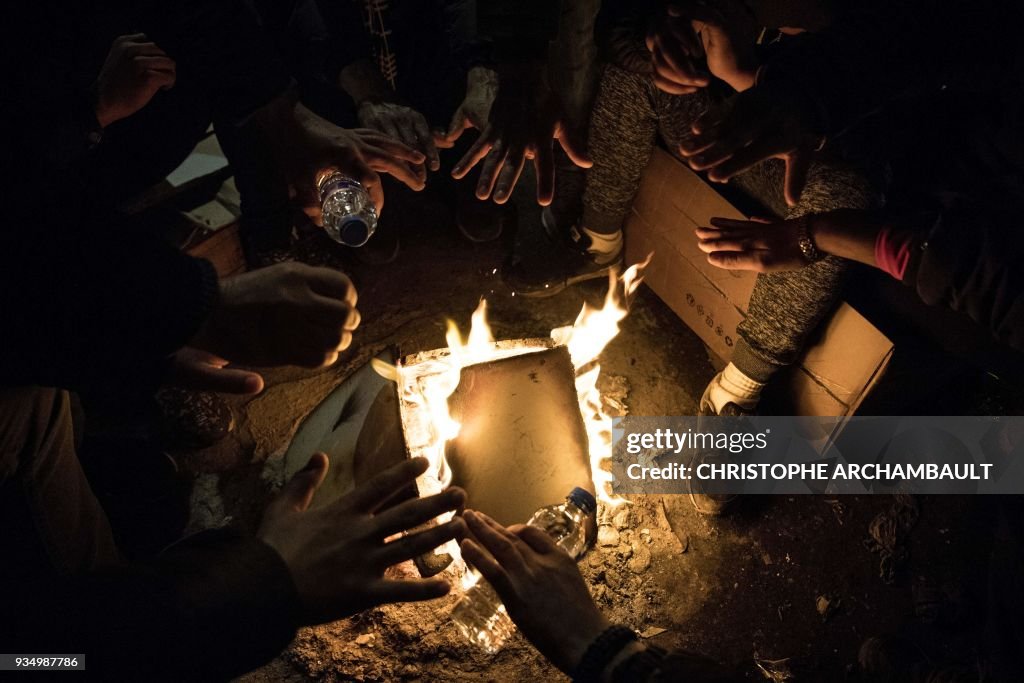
(31, 419)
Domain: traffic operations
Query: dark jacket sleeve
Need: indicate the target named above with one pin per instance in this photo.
(678, 666)
(221, 44)
(209, 608)
(877, 51)
(469, 48)
(971, 260)
(89, 306)
(621, 32)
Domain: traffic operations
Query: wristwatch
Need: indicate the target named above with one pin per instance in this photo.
(806, 243)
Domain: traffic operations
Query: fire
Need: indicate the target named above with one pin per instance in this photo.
(428, 380)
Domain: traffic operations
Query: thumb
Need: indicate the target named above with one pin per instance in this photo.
(575, 148)
(798, 164)
(458, 124)
(298, 493)
(228, 380)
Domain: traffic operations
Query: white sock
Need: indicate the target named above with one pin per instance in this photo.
(605, 247)
(732, 386)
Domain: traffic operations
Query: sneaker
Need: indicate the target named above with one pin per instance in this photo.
(704, 501)
(569, 265)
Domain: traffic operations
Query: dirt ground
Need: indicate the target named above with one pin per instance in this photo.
(787, 578)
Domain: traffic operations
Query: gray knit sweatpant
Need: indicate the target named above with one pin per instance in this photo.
(785, 308)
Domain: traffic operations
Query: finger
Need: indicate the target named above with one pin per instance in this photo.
(798, 164)
(713, 245)
(414, 545)
(538, 540)
(477, 151)
(574, 146)
(489, 568)
(489, 172)
(382, 162)
(412, 513)
(509, 176)
(676, 65)
(143, 47)
(226, 380)
(427, 145)
(743, 159)
(500, 546)
(544, 163)
(395, 148)
(155, 63)
(299, 491)
(331, 283)
(671, 87)
(460, 122)
(732, 223)
(375, 492)
(160, 79)
(409, 590)
(682, 32)
(737, 260)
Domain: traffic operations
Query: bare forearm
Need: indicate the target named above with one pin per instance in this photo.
(848, 234)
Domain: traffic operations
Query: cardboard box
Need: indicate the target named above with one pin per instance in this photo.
(847, 358)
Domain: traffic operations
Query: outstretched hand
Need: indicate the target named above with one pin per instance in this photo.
(538, 582)
(757, 124)
(134, 71)
(337, 554)
(758, 245)
(522, 124)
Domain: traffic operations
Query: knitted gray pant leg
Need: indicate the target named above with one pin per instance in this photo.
(786, 308)
(623, 131)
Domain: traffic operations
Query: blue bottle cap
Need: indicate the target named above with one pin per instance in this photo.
(583, 499)
(354, 232)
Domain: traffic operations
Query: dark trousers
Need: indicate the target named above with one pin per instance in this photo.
(52, 522)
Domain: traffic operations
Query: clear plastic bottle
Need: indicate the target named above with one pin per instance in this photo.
(350, 217)
(480, 616)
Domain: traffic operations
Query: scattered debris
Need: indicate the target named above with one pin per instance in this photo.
(622, 518)
(641, 559)
(839, 509)
(652, 631)
(607, 536)
(366, 640)
(682, 536)
(827, 606)
(888, 535)
(775, 670)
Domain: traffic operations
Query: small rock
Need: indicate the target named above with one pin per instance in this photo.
(622, 518)
(652, 631)
(595, 560)
(624, 551)
(607, 536)
(600, 592)
(641, 559)
(364, 639)
(613, 579)
(827, 606)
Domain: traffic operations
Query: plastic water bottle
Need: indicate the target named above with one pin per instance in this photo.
(350, 217)
(480, 616)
